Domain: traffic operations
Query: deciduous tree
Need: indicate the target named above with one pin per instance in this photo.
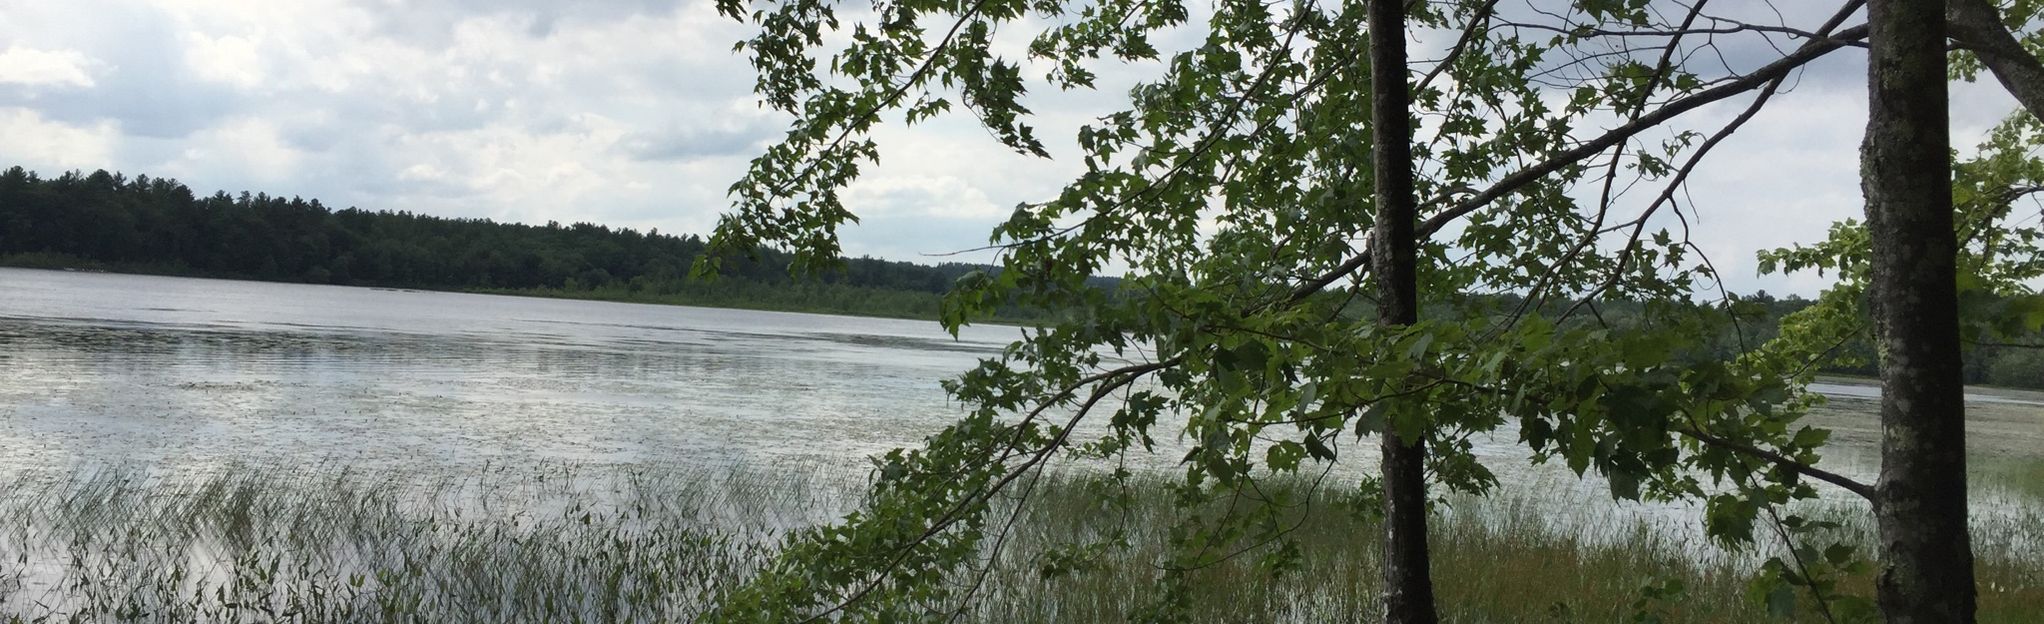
(1228, 192)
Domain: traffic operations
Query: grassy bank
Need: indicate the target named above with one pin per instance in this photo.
(659, 544)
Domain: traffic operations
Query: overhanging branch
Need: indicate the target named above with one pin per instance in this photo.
(1790, 464)
(1509, 184)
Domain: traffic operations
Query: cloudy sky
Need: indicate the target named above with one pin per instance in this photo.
(637, 113)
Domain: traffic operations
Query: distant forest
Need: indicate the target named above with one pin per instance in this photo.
(108, 221)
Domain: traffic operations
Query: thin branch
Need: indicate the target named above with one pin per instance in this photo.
(1519, 179)
(1842, 481)
(1114, 379)
(1479, 22)
(1511, 183)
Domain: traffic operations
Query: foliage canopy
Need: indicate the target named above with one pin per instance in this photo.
(1234, 190)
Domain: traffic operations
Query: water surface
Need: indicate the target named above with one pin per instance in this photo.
(175, 371)
(168, 372)
(197, 375)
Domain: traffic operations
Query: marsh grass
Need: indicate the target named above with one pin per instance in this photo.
(2023, 476)
(658, 544)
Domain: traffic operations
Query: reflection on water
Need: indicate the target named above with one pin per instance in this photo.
(172, 371)
(188, 374)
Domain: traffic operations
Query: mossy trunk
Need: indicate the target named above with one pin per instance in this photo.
(1906, 171)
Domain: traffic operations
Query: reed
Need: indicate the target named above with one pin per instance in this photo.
(561, 543)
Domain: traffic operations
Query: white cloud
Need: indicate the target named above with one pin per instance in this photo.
(253, 147)
(1793, 171)
(231, 59)
(35, 142)
(920, 195)
(45, 68)
(637, 113)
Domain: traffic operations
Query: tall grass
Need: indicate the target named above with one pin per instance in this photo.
(2021, 476)
(658, 544)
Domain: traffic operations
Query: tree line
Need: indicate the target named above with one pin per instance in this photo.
(157, 225)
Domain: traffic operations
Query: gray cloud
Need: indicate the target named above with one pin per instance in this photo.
(924, 238)
(1710, 54)
(635, 113)
(686, 143)
(432, 22)
(141, 79)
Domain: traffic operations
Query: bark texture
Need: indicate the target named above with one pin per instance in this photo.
(1408, 582)
(1926, 553)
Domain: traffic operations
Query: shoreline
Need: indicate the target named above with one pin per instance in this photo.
(14, 262)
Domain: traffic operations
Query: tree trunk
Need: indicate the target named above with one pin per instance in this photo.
(1408, 584)
(1926, 554)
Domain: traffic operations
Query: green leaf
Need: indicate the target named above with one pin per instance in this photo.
(1838, 554)
(1318, 449)
(1624, 485)
(1284, 455)
(1811, 437)
(1781, 601)
(1418, 349)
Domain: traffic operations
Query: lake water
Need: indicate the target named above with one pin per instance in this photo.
(1872, 390)
(193, 375)
(177, 372)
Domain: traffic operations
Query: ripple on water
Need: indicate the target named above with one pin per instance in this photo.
(197, 374)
